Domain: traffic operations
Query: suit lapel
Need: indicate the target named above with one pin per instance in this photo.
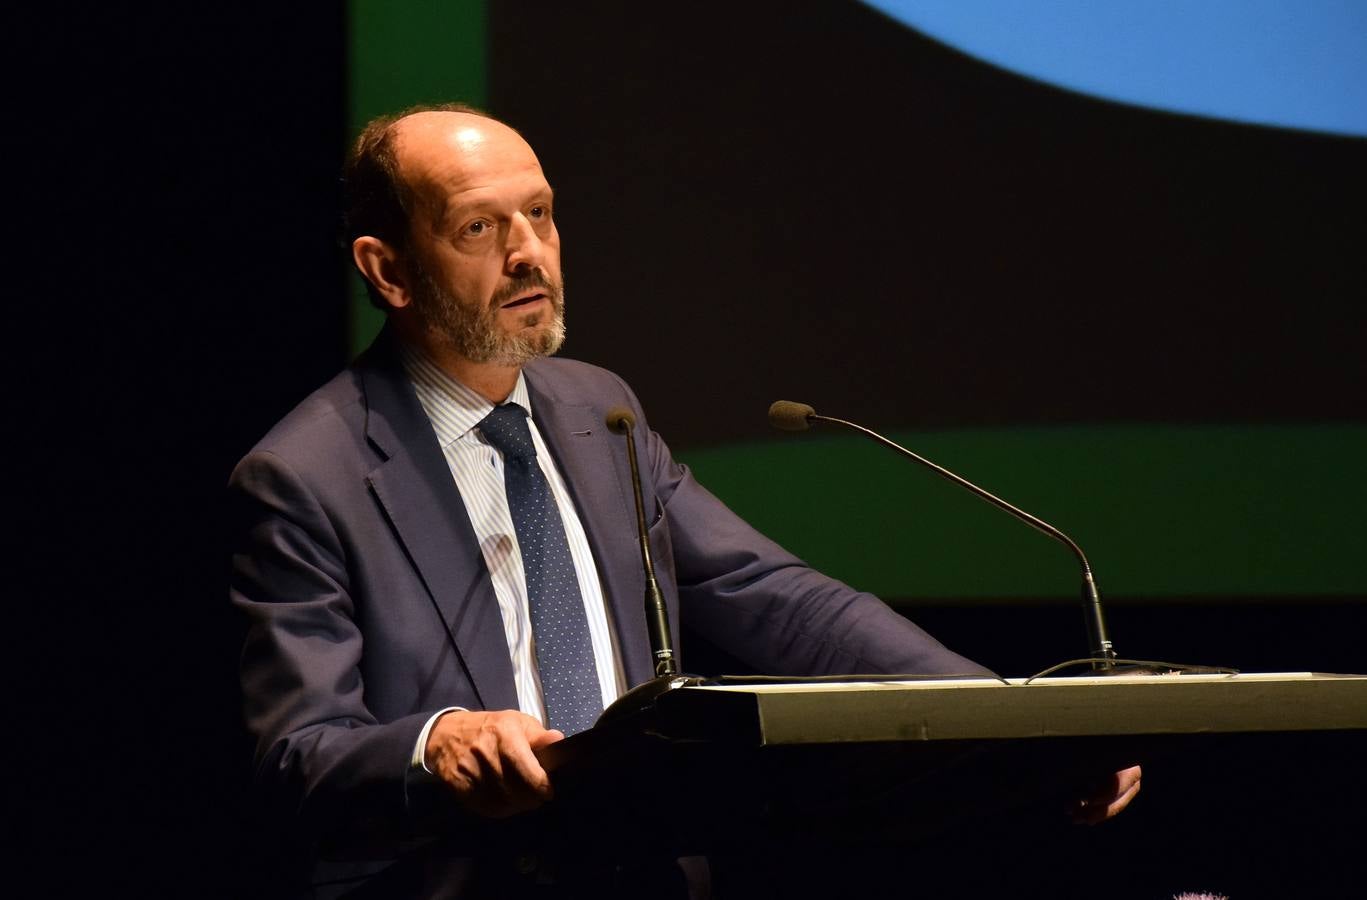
(594, 466)
(415, 488)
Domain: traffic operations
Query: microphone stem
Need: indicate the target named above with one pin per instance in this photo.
(657, 614)
(1101, 646)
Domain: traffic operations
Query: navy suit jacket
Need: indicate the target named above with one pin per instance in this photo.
(369, 605)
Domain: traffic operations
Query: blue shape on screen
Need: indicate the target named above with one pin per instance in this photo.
(1293, 63)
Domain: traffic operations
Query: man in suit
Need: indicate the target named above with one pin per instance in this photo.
(436, 551)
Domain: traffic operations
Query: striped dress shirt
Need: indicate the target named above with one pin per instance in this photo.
(477, 467)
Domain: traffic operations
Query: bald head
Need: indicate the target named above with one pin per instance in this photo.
(441, 154)
(379, 199)
(453, 132)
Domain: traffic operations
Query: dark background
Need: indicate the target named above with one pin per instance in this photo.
(840, 210)
(173, 195)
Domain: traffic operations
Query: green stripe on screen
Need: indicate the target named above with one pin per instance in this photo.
(406, 53)
(1161, 511)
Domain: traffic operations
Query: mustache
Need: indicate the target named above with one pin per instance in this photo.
(523, 283)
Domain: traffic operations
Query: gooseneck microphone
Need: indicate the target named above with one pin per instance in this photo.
(789, 416)
(620, 421)
(640, 700)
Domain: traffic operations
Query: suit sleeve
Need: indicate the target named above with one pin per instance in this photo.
(322, 758)
(762, 605)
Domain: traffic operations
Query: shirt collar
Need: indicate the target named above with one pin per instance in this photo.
(453, 408)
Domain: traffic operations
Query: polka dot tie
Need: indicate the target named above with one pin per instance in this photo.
(564, 650)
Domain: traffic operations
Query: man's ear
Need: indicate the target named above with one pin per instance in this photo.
(381, 266)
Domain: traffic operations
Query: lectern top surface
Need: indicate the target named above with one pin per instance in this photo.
(975, 709)
(825, 687)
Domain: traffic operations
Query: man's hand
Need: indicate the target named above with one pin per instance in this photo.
(486, 758)
(1109, 799)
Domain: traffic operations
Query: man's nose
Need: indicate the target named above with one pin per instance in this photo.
(524, 246)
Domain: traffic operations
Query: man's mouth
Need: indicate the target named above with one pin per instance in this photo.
(524, 300)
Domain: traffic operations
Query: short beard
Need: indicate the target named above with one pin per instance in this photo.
(473, 332)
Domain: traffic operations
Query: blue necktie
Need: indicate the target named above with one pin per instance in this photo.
(564, 650)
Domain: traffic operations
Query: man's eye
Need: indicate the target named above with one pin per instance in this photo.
(539, 212)
(475, 228)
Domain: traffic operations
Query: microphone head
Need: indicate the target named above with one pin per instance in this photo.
(789, 416)
(619, 420)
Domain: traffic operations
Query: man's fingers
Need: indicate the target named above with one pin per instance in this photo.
(519, 750)
(527, 769)
(544, 738)
(1129, 784)
(487, 758)
(1114, 796)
